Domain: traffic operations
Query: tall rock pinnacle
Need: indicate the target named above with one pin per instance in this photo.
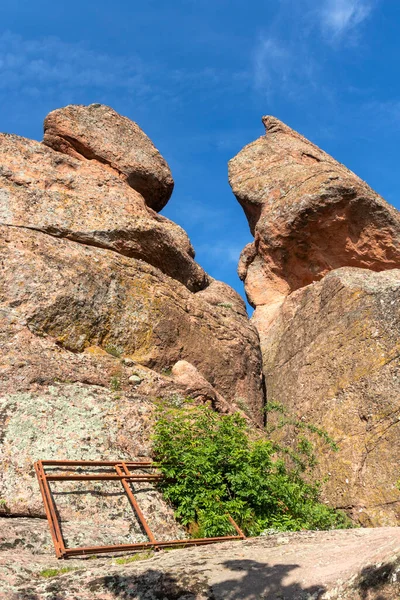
(309, 214)
(323, 274)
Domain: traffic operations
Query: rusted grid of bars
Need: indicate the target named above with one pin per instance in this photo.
(124, 472)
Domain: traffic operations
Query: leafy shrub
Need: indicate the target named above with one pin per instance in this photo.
(212, 466)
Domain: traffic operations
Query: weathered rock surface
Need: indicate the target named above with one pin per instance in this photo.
(83, 296)
(338, 565)
(309, 214)
(323, 276)
(85, 201)
(332, 356)
(97, 132)
(97, 303)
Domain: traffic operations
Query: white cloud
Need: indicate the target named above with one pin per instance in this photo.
(340, 16)
(270, 58)
(57, 64)
(286, 58)
(225, 252)
(285, 66)
(59, 71)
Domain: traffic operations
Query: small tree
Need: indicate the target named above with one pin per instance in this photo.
(213, 465)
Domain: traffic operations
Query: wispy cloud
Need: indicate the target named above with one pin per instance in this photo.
(221, 251)
(340, 16)
(270, 58)
(289, 59)
(285, 66)
(31, 64)
(50, 67)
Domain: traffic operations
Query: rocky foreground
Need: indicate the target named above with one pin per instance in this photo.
(361, 564)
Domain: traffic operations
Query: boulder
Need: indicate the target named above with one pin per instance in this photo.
(332, 357)
(199, 389)
(98, 133)
(309, 215)
(87, 202)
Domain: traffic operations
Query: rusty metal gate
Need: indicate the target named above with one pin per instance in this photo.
(126, 472)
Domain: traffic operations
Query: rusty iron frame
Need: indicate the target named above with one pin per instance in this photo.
(124, 474)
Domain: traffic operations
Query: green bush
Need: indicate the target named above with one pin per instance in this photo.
(214, 466)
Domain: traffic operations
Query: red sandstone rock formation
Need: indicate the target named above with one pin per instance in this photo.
(329, 335)
(309, 215)
(99, 297)
(332, 357)
(98, 132)
(87, 202)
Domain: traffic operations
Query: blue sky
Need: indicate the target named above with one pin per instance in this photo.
(197, 75)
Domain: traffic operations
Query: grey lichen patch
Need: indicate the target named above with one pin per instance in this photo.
(5, 208)
(77, 421)
(56, 422)
(70, 421)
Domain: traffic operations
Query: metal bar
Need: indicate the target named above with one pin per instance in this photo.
(93, 463)
(125, 547)
(198, 541)
(47, 510)
(51, 511)
(134, 502)
(236, 526)
(100, 477)
(107, 549)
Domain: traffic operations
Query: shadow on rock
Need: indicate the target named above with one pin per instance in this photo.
(233, 580)
(379, 582)
(256, 580)
(246, 580)
(157, 585)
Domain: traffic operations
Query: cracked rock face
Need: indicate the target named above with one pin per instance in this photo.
(323, 275)
(100, 296)
(84, 297)
(332, 356)
(87, 202)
